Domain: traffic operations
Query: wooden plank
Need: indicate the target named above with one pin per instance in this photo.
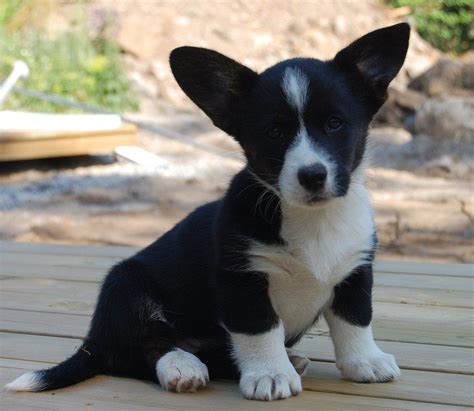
(83, 273)
(52, 324)
(63, 147)
(58, 260)
(108, 393)
(413, 267)
(420, 296)
(49, 295)
(424, 281)
(413, 386)
(19, 136)
(418, 324)
(68, 249)
(37, 347)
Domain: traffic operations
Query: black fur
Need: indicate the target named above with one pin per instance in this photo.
(192, 285)
(353, 297)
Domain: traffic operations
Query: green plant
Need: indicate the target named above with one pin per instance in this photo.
(71, 64)
(8, 8)
(446, 24)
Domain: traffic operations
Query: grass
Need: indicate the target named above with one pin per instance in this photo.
(70, 63)
(446, 24)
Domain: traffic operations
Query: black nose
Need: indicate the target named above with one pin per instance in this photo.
(313, 177)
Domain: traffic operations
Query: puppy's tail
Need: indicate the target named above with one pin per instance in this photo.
(81, 366)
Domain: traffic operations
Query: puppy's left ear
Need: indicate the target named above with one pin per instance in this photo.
(376, 58)
(216, 83)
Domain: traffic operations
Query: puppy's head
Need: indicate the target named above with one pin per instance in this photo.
(303, 122)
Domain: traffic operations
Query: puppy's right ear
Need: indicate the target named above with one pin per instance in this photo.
(214, 82)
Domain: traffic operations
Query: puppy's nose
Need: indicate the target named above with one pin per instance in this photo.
(313, 177)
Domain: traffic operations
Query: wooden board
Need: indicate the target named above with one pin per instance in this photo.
(64, 144)
(422, 314)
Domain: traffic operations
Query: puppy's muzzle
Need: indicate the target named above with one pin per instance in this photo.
(313, 178)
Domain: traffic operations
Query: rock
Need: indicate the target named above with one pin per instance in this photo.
(447, 165)
(400, 108)
(339, 25)
(447, 117)
(396, 149)
(447, 76)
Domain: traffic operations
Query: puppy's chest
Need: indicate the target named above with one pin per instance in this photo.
(318, 254)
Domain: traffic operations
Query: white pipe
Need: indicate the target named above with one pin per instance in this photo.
(20, 69)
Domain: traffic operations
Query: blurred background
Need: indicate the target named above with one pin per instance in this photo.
(112, 56)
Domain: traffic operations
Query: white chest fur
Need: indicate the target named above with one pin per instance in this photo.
(322, 247)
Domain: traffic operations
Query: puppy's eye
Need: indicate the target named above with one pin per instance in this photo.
(275, 133)
(334, 123)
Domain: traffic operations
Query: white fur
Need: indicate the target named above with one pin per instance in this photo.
(304, 152)
(357, 356)
(266, 371)
(30, 381)
(181, 371)
(322, 247)
(295, 87)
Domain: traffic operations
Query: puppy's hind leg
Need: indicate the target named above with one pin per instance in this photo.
(134, 335)
(176, 369)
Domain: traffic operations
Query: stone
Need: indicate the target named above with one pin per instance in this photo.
(445, 77)
(400, 108)
(448, 117)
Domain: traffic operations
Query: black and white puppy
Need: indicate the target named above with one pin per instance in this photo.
(231, 288)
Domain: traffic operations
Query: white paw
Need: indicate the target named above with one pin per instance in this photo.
(267, 385)
(376, 367)
(299, 361)
(181, 371)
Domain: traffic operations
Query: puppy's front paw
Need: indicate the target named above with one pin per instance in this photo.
(374, 367)
(271, 384)
(181, 371)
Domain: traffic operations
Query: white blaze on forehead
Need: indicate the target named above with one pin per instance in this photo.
(295, 87)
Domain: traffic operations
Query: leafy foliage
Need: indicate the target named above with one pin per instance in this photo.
(71, 64)
(446, 24)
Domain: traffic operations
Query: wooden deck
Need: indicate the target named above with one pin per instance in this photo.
(423, 315)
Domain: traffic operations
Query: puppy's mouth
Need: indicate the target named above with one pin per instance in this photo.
(318, 198)
(312, 201)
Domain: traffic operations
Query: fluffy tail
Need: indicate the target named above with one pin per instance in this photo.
(77, 368)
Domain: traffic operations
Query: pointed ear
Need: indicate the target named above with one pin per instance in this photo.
(376, 58)
(214, 82)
